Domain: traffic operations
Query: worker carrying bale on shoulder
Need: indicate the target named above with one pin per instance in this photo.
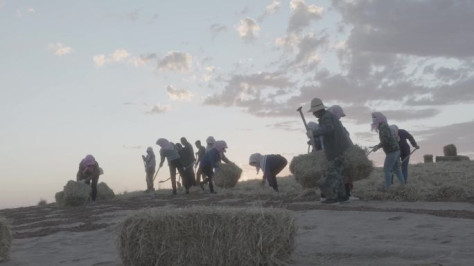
(89, 171)
(150, 164)
(271, 165)
(335, 142)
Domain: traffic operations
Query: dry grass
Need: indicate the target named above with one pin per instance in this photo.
(104, 192)
(356, 164)
(309, 168)
(227, 176)
(75, 193)
(207, 236)
(5, 239)
(443, 181)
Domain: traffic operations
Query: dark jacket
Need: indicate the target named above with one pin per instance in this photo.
(388, 142)
(187, 155)
(210, 158)
(335, 139)
(404, 147)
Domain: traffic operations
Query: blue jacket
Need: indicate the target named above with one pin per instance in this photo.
(210, 158)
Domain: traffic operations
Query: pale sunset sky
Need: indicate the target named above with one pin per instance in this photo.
(109, 78)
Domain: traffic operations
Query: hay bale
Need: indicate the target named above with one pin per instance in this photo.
(104, 192)
(357, 165)
(76, 193)
(228, 175)
(450, 150)
(309, 168)
(428, 158)
(5, 239)
(452, 158)
(59, 196)
(207, 236)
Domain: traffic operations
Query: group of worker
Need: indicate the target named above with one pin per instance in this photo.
(328, 134)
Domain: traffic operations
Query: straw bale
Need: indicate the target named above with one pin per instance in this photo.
(207, 236)
(59, 196)
(309, 168)
(428, 158)
(357, 165)
(451, 158)
(450, 150)
(76, 193)
(228, 175)
(5, 239)
(104, 192)
(443, 181)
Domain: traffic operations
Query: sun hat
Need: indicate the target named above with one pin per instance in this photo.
(316, 105)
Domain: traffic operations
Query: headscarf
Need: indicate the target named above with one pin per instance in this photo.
(149, 150)
(379, 119)
(256, 158)
(394, 129)
(220, 146)
(165, 144)
(89, 160)
(337, 111)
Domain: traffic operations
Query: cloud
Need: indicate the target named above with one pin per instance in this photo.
(423, 28)
(248, 29)
(287, 126)
(179, 95)
(303, 51)
(217, 28)
(270, 9)
(99, 60)
(60, 49)
(259, 93)
(158, 109)
(302, 15)
(119, 55)
(175, 61)
(135, 147)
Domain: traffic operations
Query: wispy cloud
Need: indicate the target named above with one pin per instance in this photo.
(158, 109)
(248, 29)
(302, 15)
(179, 95)
(176, 61)
(60, 49)
(270, 9)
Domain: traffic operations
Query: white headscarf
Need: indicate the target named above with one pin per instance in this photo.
(259, 160)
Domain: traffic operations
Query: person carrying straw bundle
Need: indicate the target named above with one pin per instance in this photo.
(335, 142)
(389, 144)
(89, 171)
(271, 165)
(209, 163)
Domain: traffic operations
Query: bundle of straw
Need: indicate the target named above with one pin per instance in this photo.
(5, 239)
(227, 175)
(59, 196)
(207, 236)
(104, 192)
(450, 150)
(356, 164)
(76, 193)
(309, 168)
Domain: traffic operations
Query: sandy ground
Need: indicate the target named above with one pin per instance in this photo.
(354, 233)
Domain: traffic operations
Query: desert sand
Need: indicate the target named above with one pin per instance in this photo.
(354, 233)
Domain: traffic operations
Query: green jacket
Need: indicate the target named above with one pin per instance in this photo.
(388, 142)
(336, 140)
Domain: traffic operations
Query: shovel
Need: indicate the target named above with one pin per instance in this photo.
(156, 173)
(305, 125)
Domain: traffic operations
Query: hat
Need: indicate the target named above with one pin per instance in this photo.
(316, 105)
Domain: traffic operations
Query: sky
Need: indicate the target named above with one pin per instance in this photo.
(109, 78)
